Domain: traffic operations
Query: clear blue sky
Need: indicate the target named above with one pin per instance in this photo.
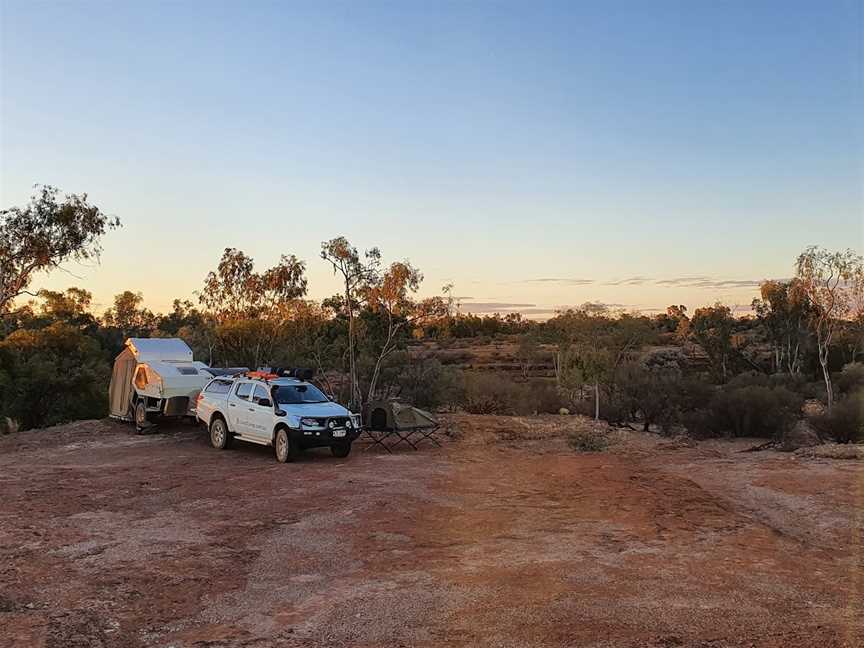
(638, 153)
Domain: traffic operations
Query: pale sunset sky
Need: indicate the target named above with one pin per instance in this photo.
(535, 154)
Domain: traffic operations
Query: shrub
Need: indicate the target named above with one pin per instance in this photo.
(851, 379)
(52, 375)
(492, 393)
(588, 441)
(426, 383)
(537, 397)
(700, 423)
(845, 422)
(797, 383)
(650, 392)
(754, 410)
(484, 393)
(611, 409)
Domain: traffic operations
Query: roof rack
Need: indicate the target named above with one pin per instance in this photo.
(268, 373)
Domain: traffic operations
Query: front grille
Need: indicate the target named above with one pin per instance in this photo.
(341, 421)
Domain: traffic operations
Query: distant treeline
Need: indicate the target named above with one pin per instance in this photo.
(56, 354)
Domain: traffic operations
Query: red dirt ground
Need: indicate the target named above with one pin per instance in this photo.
(109, 539)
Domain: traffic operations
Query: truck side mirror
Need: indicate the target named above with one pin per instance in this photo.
(265, 402)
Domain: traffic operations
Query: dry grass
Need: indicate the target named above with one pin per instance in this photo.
(833, 451)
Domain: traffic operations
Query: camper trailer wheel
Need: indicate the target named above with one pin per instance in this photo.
(140, 415)
(286, 449)
(341, 450)
(219, 437)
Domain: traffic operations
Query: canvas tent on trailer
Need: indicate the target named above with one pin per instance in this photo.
(155, 376)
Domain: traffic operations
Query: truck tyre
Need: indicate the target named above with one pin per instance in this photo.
(341, 450)
(286, 449)
(219, 436)
(140, 415)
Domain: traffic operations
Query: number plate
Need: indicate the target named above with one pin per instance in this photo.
(338, 433)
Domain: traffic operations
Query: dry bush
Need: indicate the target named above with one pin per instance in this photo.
(588, 440)
(610, 410)
(491, 393)
(485, 393)
(754, 411)
(845, 422)
(833, 451)
(851, 378)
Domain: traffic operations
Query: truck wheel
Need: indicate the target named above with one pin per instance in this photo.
(341, 450)
(219, 437)
(286, 449)
(140, 415)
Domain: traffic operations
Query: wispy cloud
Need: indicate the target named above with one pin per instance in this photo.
(630, 281)
(560, 280)
(708, 283)
(495, 307)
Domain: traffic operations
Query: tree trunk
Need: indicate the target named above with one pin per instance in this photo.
(352, 371)
(829, 388)
(596, 401)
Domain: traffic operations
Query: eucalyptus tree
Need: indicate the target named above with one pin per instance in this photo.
(44, 234)
(832, 281)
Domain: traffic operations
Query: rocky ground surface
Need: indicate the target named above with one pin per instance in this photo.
(504, 537)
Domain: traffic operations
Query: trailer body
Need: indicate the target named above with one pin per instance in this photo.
(155, 376)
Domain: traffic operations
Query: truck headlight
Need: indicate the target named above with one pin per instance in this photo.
(309, 422)
(349, 424)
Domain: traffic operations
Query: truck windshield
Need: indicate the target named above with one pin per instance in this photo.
(298, 394)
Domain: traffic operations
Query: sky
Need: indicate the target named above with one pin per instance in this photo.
(537, 155)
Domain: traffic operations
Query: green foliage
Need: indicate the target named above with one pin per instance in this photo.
(651, 392)
(754, 410)
(672, 320)
(44, 234)
(784, 310)
(487, 393)
(469, 325)
(851, 378)
(844, 423)
(711, 327)
(492, 393)
(128, 317)
(52, 375)
(427, 383)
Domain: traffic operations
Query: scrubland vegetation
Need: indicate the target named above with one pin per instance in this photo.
(711, 372)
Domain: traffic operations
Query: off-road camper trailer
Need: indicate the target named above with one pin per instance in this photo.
(155, 376)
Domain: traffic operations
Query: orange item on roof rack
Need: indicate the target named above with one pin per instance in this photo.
(262, 375)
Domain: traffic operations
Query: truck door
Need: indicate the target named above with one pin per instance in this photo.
(238, 408)
(261, 414)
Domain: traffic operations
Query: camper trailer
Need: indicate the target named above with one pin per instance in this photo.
(153, 377)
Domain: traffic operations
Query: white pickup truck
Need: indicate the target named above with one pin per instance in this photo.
(286, 413)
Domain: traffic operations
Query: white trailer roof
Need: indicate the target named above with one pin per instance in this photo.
(150, 350)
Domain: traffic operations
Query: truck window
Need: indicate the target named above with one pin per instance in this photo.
(218, 387)
(243, 390)
(260, 393)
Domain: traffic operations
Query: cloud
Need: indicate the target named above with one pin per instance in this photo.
(680, 281)
(494, 307)
(709, 283)
(560, 280)
(631, 281)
